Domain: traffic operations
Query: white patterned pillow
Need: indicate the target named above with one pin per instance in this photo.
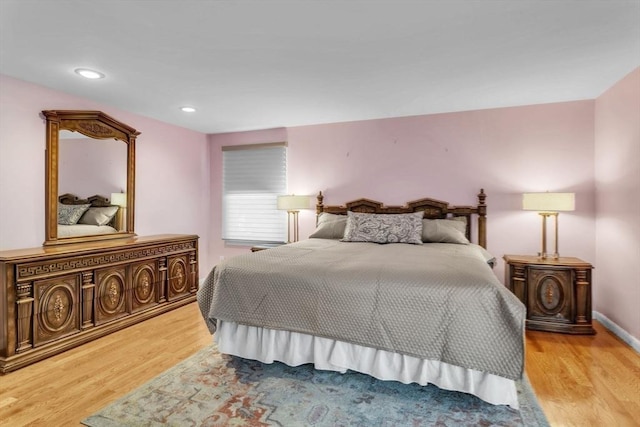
(445, 230)
(70, 214)
(384, 228)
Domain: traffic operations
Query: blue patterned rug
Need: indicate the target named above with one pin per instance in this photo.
(210, 389)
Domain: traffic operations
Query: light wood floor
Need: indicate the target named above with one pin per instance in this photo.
(579, 380)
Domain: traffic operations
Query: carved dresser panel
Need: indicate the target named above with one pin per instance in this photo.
(556, 292)
(55, 298)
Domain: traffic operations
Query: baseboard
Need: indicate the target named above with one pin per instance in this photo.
(617, 330)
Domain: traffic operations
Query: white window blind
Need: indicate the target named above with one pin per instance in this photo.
(253, 177)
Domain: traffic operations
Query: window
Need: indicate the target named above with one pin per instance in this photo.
(253, 177)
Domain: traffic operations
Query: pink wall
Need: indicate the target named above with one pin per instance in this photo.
(617, 173)
(507, 151)
(172, 169)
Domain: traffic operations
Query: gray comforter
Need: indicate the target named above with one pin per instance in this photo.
(433, 301)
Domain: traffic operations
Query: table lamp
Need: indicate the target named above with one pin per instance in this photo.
(292, 204)
(548, 204)
(120, 199)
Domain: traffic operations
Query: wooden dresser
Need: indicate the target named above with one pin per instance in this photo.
(556, 292)
(58, 297)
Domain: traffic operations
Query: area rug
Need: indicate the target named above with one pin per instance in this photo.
(210, 389)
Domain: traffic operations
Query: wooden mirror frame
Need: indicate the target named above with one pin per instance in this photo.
(93, 124)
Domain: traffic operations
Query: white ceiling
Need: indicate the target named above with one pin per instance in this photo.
(263, 64)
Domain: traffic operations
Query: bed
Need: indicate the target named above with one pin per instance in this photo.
(427, 311)
(86, 217)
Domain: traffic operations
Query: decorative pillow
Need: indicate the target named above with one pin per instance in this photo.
(98, 216)
(445, 230)
(384, 228)
(330, 226)
(70, 214)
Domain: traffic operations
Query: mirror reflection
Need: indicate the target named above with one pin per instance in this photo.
(90, 171)
(91, 166)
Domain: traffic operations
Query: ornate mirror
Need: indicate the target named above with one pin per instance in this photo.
(90, 177)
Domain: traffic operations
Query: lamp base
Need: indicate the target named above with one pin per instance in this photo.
(295, 226)
(543, 254)
(548, 256)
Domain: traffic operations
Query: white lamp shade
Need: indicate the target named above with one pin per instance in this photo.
(293, 203)
(119, 199)
(549, 202)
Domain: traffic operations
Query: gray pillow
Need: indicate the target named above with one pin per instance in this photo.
(70, 214)
(445, 230)
(384, 228)
(330, 226)
(98, 216)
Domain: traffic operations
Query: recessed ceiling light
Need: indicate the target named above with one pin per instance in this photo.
(89, 74)
(188, 109)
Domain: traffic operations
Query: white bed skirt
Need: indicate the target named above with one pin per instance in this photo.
(293, 349)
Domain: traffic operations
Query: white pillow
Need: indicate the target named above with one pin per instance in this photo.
(330, 226)
(445, 231)
(98, 216)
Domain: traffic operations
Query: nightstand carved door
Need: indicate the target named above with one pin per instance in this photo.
(550, 295)
(57, 308)
(145, 282)
(179, 277)
(111, 294)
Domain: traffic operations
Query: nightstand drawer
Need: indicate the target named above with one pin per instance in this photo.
(550, 293)
(264, 246)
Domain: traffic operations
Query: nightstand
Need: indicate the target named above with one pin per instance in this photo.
(556, 292)
(264, 246)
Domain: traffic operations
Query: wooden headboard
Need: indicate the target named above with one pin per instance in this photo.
(433, 209)
(95, 201)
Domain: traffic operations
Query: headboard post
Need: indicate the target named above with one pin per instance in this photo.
(319, 205)
(482, 219)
